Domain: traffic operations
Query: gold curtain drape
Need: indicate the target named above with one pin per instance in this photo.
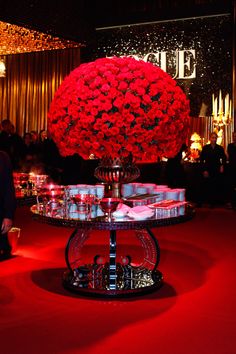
(29, 86)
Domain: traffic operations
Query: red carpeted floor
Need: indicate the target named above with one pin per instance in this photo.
(193, 313)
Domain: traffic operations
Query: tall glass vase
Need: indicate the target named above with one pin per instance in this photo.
(116, 171)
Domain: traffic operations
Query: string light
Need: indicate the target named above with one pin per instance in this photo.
(16, 39)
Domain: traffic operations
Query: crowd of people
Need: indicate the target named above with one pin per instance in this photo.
(37, 153)
(31, 153)
(34, 152)
(217, 182)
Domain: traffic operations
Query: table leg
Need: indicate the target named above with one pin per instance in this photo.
(112, 263)
(151, 249)
(74, 248)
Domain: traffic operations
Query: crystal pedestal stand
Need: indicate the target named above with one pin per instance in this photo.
(115, 172)
(112, 279)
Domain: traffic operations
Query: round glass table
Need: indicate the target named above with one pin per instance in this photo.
(111, 273)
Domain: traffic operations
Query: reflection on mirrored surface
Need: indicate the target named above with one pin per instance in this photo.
(73, 211)
(96, 276)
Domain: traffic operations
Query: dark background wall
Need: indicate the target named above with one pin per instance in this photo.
(77, 19)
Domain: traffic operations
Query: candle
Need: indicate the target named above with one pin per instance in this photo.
(226, 108)
(215, 109)
(230, 108)
(220, 102)
(227, 105)
(213, 103)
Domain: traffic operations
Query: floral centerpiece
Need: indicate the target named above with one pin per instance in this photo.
(116, 107)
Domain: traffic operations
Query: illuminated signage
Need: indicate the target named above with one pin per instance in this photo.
(180, 64)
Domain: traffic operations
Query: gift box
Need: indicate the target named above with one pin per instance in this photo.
(142, 199)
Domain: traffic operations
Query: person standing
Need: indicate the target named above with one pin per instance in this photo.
(11, 142)
(7, 204)
(175, 174)
(5, 134)
(213, 160)
(231, 154)
(50, 156)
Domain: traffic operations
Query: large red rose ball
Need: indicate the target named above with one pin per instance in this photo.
(117, 106)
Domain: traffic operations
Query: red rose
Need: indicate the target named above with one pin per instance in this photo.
(114, 106)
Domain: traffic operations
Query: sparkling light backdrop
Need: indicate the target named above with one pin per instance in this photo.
(210, 37)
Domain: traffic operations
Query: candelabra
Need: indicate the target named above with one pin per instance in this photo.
(221, 111)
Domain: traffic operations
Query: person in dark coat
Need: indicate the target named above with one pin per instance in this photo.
(50, 156)
(7, 204)
(175, 173)
(213, 161)
(11, 142)
(231, 154)
(5, 136)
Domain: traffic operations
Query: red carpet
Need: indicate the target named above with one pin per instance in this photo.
(193, 313)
